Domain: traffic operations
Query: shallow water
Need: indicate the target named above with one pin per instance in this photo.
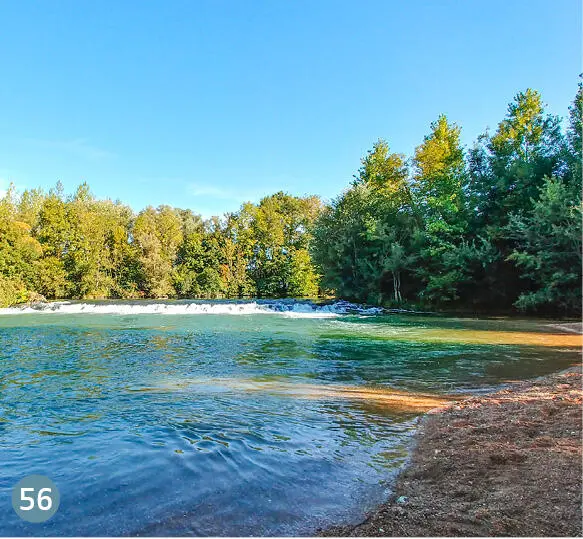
(180, 419)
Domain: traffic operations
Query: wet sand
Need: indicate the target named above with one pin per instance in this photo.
(508, 463)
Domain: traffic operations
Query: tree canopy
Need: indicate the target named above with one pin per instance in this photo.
(493, 227)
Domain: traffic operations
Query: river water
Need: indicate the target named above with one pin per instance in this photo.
(226, 418)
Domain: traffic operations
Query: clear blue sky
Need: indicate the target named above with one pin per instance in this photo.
(203, 104)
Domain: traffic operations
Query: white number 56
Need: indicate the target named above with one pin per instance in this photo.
(43, 502)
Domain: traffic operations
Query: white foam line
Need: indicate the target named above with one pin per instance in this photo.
(289, 309)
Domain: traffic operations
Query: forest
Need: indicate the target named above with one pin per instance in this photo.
(492, 228)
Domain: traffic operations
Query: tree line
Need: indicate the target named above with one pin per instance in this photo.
(59, 246)
(493, 227)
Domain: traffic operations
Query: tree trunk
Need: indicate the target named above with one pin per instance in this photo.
(397, 286)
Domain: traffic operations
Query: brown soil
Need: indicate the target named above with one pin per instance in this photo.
(504, 464)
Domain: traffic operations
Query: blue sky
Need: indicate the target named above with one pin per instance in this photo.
(204, 104)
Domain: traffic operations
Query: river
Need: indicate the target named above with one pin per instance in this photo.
(233, 418)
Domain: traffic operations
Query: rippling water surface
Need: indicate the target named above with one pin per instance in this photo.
(224, 419)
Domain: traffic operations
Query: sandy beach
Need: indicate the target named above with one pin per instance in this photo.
(508, 463)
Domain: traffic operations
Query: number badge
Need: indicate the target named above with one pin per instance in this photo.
(35, 498)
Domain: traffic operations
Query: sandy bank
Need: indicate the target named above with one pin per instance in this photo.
(503, 464)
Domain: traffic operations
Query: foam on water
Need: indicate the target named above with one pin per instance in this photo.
(293, 309)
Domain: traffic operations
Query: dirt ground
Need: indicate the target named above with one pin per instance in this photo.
(503, 464)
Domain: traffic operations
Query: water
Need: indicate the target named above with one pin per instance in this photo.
(227, 419)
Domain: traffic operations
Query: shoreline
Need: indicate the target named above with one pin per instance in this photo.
(505, 463)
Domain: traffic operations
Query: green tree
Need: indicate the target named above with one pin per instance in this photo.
(190, 255)
(52, 232)
(525, 149)
(87, 260)
(18, 253)
(281, 228)
(157, 234)
(573, 147)
(364, 242)
(548, 250)
(439, 185)
(439, 177)
(237, 250)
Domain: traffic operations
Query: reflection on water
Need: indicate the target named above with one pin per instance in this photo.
(390, 398)
(471, 336)
(240, 425)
